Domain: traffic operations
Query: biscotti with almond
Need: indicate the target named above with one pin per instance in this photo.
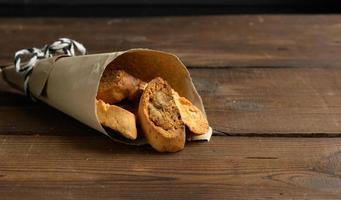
(160, 117)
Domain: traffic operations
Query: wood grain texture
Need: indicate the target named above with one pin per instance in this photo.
(69, 167)
(258, 75)
(272, 101)
(234, 40)
(238, 101)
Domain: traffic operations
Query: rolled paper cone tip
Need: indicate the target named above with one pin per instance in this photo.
(11, 81)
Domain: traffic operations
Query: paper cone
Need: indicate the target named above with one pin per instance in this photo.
(70, 84)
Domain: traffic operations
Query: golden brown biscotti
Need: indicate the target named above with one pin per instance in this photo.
(160, 118)
(191, 115)
(116, 118)
(116, 85)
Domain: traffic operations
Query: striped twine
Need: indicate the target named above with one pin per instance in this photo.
(64, 46)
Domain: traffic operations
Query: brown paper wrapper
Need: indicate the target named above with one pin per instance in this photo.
(70, 84)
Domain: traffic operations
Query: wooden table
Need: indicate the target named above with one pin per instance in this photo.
(271, 85)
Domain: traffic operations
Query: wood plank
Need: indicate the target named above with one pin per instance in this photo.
(219, 41)
(69, 167)
(238, 101)
(272, 101)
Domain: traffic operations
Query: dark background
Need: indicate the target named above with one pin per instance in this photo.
(162, 7)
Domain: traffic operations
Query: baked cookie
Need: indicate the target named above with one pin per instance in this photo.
(116, 118)
(160, 117)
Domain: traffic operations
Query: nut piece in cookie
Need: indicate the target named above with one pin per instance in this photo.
(160, 117)
(116, 118)
(191, 115)
(116, 85)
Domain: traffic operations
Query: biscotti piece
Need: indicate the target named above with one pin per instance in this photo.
(116, 118)
(160, 117)
(116, 85)
(191, 115)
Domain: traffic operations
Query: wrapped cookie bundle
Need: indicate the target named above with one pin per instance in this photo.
(133, 96)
